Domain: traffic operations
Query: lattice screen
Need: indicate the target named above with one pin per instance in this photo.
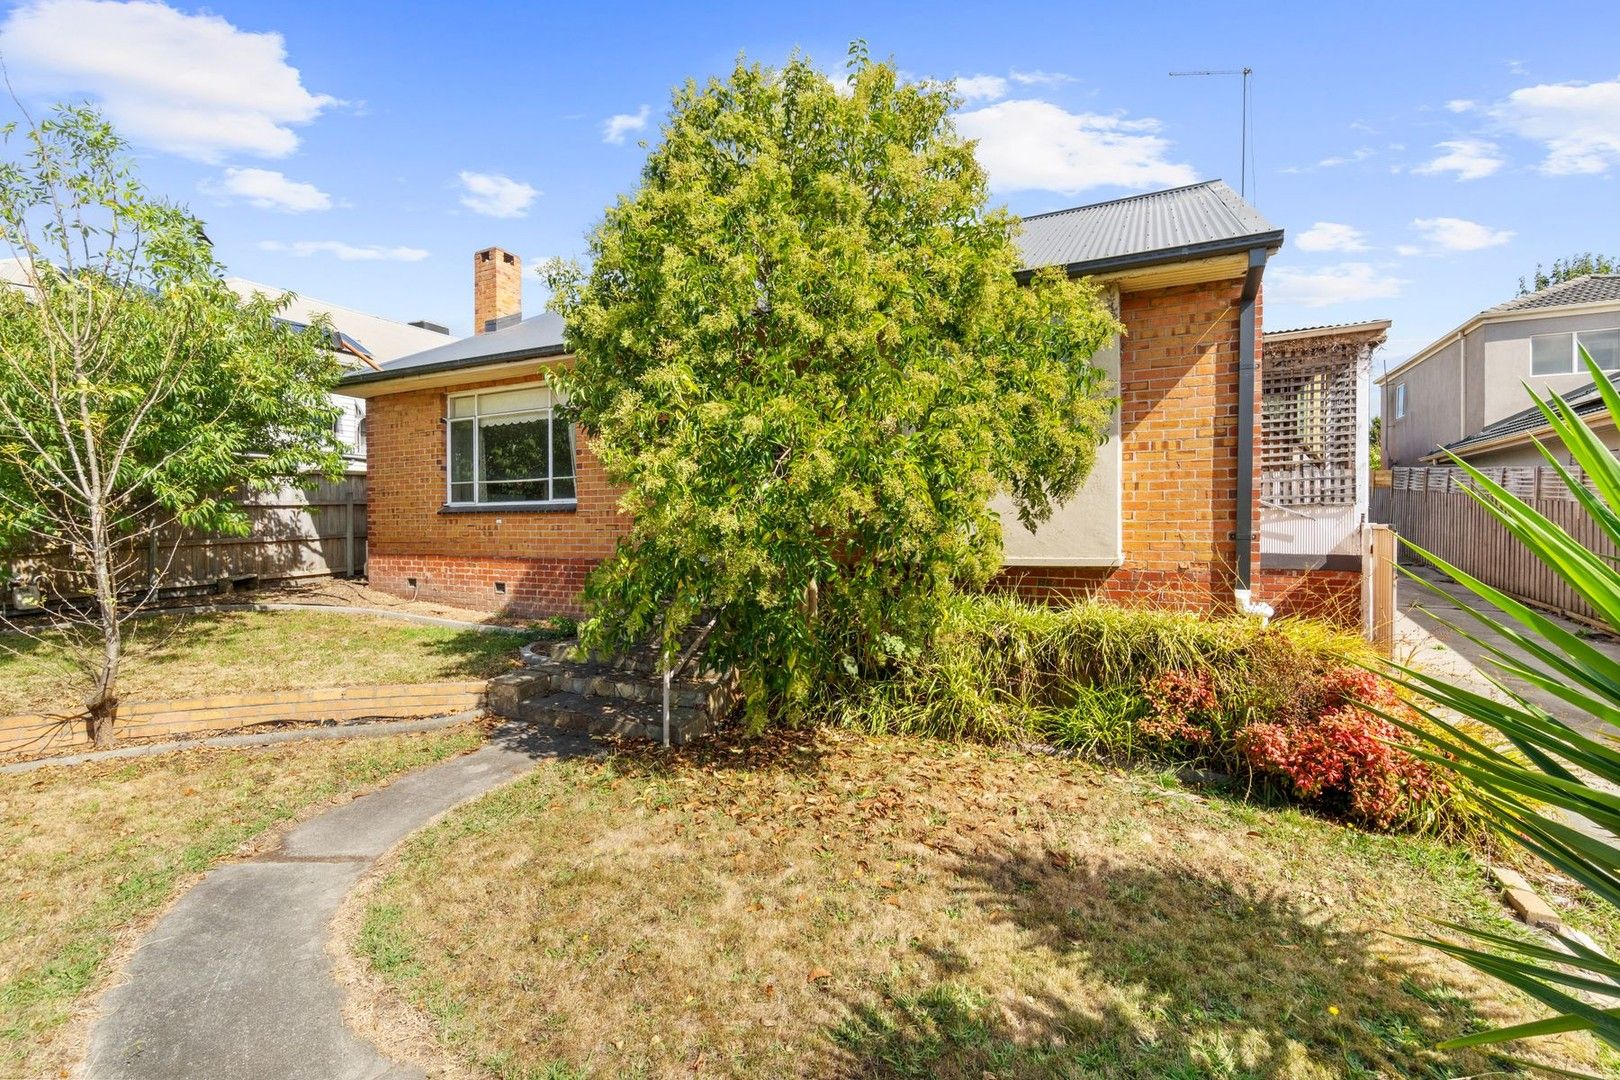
(1308, 437)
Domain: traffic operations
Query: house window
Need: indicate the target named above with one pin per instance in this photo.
(1400, 401)
(1604, 345)
(506, 446)
(1556, 354)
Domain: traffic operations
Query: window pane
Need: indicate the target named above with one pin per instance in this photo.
(562, 487)
(514, 491)
(1550, 354)
(1604, 345)
(562, 449)
(461, 493)
(462, 406)
(461, 454)
(530, 397)
(514, 449)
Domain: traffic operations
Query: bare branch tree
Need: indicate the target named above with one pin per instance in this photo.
(138, 393)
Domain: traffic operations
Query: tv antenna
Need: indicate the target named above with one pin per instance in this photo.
(1243, 153)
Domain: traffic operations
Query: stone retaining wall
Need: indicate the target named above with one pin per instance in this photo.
(30, 735)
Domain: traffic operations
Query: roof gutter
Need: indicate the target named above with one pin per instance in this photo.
(1247, 339)
(1159, 256)
(390, 374)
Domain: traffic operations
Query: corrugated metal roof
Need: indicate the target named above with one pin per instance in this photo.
(1584, 400)
(1141, 230)
(537, 336)
(1588, 289)
(1160, 226)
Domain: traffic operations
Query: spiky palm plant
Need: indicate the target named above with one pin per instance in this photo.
(1545, 771)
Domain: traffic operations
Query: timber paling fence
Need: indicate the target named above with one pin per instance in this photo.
(1432, 508)
(312, 530)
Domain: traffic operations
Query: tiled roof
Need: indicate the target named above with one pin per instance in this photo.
(1588, 289)
(1158, 227)
(1585, 400)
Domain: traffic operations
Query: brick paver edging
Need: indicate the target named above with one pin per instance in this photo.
(31, 734)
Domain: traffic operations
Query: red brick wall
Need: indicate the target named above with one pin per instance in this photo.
(1178, 424)
(1178, 456)
(1330, 595)
(457, 558)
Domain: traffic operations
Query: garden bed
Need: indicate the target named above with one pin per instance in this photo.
(834, 904)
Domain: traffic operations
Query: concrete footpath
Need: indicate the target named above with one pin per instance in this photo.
(234, 982)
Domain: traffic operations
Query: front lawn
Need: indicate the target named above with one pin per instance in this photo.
(197, 654)
(832, 904)
(93, 851)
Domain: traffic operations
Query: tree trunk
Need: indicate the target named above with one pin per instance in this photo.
(102, 709)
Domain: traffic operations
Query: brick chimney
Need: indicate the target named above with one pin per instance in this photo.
(497, 290)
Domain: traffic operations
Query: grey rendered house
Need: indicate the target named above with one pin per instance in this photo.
(1467, 392)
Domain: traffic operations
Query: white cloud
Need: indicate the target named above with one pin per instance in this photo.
(1470, 159)
(268, 190)
(1458, 234)
(1408, 250)
(190, 84)
(494, 195)
(1330, 236)
(1040, 78)
(1460, 105)
(615, 128)
(1035, 145)
(1342, 283)
(1577, 123)
(345, 252)
(981, 87)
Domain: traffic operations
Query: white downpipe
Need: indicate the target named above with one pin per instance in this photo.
(1248, 605)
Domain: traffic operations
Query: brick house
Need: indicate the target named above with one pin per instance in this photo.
(477, 499)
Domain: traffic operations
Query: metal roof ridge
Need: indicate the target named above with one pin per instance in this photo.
(1122, 198)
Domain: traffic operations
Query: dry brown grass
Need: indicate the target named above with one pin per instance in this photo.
(94, 851)
(835, 905)
(193, 655)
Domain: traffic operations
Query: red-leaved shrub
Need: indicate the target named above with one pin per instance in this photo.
(1305, 725)
(1183, 708)
(1331, 750)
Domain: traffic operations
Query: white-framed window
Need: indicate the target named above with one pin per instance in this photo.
(1399, 403)
(506, 446)
(1557, 354)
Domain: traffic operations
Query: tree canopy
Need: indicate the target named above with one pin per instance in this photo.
(803, 353)
(1572, 266)
(136, 390)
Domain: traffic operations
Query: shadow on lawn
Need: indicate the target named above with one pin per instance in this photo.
(1211, 978)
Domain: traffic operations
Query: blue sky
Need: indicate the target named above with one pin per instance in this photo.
(1422, 157)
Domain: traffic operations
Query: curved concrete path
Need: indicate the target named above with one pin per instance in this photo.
(234, 982)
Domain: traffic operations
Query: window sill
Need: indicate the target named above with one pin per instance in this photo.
(567, 506)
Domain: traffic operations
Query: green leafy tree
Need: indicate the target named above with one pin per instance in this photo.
(1375, 443)
(802, 351)
(136, 390)
(1539, 775)
(1573, 266)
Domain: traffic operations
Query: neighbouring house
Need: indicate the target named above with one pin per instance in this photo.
(1466, 392)
(362, 341)
(1314, 466)
(479, 498)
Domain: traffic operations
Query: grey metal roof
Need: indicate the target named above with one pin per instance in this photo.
(1142, 230)
(538, 336)
(1587, 289)
(1585, 400)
